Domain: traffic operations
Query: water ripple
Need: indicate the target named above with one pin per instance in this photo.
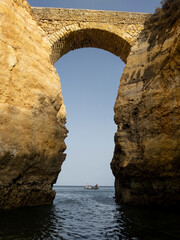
(82, 214)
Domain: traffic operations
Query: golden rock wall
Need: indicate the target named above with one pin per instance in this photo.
(32, 114)
(147, 113)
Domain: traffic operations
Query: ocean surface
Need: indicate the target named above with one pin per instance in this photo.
(89, 214)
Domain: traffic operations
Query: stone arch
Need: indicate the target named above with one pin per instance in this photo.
(99, 35)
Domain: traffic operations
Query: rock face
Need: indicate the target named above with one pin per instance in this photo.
(32, 114)
(146, 162)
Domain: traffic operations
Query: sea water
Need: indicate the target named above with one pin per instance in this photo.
(89, 214)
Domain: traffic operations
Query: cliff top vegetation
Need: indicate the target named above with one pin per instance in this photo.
(160, 25)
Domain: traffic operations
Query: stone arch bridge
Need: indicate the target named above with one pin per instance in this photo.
(139, 44)
(69, 29)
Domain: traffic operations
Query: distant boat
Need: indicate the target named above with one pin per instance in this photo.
(89, 187)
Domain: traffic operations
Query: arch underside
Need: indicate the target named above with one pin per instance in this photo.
(91, 37)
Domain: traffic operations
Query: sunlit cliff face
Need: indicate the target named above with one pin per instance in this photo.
(147, 152)
(145, 162)
(32, 128)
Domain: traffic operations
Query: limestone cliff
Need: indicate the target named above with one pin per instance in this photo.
(32, 114)
(146, 161)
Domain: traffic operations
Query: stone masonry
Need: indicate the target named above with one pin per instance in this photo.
(69, 29)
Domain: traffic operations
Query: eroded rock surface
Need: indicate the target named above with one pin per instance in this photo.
(32, 114)
(146, 161)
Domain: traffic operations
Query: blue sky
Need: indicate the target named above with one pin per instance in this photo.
(90, 78)
(146, 6)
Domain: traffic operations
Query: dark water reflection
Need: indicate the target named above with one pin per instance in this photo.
(27, 223)
(148, 223)
(82, 214)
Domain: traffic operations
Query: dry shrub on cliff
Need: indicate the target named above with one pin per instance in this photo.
(170, 11)
(160, 24)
